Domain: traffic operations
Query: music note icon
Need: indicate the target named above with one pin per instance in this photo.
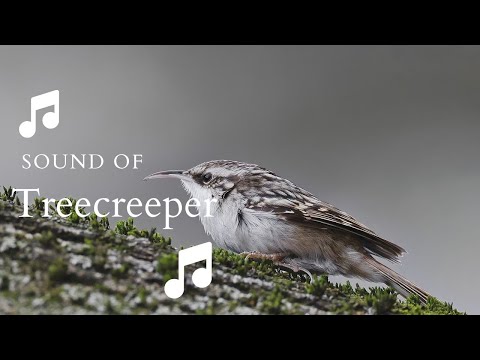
(50, 120)
(201, 278)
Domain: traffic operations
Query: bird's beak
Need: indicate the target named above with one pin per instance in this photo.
(170, 174)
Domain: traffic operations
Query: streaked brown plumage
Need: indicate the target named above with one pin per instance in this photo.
(266, 216)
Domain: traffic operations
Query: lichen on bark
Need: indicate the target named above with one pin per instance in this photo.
(76, 266)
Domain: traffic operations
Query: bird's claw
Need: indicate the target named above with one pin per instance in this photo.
(296, 269)
(277, 260)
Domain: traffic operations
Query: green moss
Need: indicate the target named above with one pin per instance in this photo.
(167, 265)
(4, 283)
(412, 306)
(381, 300)
(272, 303)
(126, 227)
(346, 288)
(286, 297)
(242, 266)
(318, 286)
(38, 206)
(93, 221)
(48, 240)
(228, 258)
(347, 300)
(89, 248)
(264, 269)
(110, 308)
(74, 218)
(105, 223)
(103, 289)
(54, 294)
(158, 240)
(98, 225)
(8, 194)
(58, 271)
(122, 271)
(210, 309)
(97, 250)
(142, 294)
(348, 306)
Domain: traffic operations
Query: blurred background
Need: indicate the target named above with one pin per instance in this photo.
(390, 134)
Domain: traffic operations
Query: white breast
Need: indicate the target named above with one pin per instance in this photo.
(252, 231)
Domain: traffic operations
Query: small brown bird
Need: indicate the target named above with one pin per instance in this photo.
(264, 216)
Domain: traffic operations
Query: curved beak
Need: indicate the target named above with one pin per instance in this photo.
(169, 174)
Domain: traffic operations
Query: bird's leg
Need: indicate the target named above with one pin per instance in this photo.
(254, 255)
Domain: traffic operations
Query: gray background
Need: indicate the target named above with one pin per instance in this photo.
(389, 134)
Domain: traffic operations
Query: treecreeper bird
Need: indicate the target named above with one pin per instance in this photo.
(265, 216)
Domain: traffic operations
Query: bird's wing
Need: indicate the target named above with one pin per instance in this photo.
(313, 212)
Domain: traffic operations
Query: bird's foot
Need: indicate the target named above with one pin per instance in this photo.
(296, 269)
(278, 259)
(254, 255)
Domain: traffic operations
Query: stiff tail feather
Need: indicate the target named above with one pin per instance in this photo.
(398, 282)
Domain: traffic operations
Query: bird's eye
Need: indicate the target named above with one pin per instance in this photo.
(206, 178)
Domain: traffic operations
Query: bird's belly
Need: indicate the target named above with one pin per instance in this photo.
(268, 234)
(262, 235)
(321, 250)
(269, 237)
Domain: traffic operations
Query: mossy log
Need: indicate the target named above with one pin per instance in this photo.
(70, 266)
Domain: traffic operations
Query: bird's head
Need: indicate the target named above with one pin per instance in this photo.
(211, 179)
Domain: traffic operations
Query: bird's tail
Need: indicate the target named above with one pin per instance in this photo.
(397, 281)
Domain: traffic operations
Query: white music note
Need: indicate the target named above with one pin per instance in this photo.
(50, 120)
(201, 278)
